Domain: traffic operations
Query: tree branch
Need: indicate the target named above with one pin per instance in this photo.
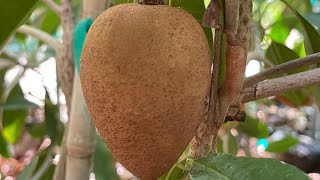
(41, 35)
(53, 6)
(282, 68)
(275, 86)
(65, 69)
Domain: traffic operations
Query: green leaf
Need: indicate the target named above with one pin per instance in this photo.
(219, 145)
(311, 41)
(51, 118)
(115, 2)
(283, 145)
(310, 34)
(280, 30)
(232, 144)
(4, 147)
(12, 15)
(229, 167)
(175, 173)
(38, 130)
(296, 97)
(253, 128)
(103, 166)
(27, 171)
(17, 103)
(278, 53)
(14, 119)
(196, 8)
(37, 162)
(50, 22)
(313, 18)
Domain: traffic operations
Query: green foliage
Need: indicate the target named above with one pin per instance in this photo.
(51, 118)
(3, 150)
(310, 34)
(311, 42)
(253, 128)
(280, 30)
(41, 161)
(232, 144)
(50, 22)
(103, 166)
(224, 167)
(12, 15)
(278, 53)
(14, 118)
(282, 145)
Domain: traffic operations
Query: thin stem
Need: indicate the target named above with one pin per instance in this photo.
(53, 6)
(278, 85)
(282, 68)
(41, 35)
(43, 168)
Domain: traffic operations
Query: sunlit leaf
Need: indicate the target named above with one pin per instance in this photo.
(310, 34)
(280, 30)
(227, 167)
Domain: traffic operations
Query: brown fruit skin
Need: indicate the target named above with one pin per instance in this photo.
(145, 74)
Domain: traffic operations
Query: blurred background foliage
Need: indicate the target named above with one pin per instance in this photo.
(33, 110)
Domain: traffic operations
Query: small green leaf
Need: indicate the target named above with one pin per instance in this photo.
(51, 118)
(38, 130)
(12, 15)
(4, 147)
(50, 22)
(103, 166)
(229, 167)
(253, 128)
(232, 144)
(13, 119)
(219, 145)
(283, 145)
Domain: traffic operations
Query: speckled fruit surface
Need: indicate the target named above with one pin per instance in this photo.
(145, 74)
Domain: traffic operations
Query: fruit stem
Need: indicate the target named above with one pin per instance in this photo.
(151, 2)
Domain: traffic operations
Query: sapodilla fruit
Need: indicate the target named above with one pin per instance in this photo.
(145, 74)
